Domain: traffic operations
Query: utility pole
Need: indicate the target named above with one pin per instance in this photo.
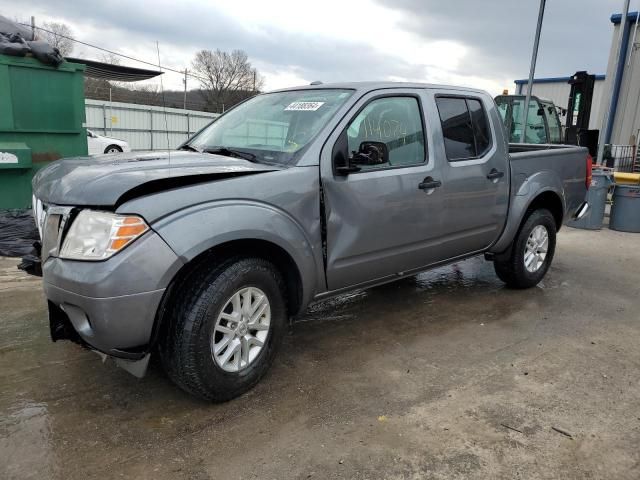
(532, 71)
(33, 27)
(185, 90)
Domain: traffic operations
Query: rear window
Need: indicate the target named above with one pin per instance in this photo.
(464, 127)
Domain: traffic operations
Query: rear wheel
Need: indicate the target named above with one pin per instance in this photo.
(224, 327)
(531, 253)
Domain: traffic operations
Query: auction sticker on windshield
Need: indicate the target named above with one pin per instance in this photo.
(304, 106)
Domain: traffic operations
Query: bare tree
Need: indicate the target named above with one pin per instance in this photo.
(57, 35)
(110, 58)
(226, 78)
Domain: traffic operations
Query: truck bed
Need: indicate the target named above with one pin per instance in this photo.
(516, 148)
(564, 165)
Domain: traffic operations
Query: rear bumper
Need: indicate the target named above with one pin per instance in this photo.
(581, 211)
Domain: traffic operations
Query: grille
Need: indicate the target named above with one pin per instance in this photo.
(39, 212)
(53, 230)
(50, 234)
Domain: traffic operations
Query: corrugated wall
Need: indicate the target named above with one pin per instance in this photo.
(558, 93)
(144, 127)
(626, 127)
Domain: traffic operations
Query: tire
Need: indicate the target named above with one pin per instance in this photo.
(113, 149)
(512, 269)
(195, 314)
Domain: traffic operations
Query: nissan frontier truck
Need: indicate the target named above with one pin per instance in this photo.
(203, 254)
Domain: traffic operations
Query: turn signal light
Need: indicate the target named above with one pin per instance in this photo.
(128, 230)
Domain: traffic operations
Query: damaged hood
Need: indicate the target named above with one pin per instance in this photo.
(105, 180)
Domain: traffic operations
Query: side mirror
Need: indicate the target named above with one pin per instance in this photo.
(342, 164)
(371, 153)
(541, 112)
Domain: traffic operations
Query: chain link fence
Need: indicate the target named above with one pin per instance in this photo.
(622, 158)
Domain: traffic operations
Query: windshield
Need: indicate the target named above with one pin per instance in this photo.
(274, 127)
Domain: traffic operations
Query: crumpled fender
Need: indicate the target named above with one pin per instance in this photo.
(196, 229)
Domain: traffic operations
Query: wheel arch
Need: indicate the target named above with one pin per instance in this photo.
(522, 207)
(112, 145)
(258, 248)
(549, 200)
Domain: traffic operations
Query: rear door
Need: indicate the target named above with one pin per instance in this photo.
(475, 172)
(385, 218)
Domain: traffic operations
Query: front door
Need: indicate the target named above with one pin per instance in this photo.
(382, 219)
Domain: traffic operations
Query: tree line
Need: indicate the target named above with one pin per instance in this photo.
(225, 78)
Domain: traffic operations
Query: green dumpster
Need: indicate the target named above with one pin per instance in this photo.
(41, 120)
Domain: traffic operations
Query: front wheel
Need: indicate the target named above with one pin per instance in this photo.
(113, 149)
(531, 253)
(224, 327)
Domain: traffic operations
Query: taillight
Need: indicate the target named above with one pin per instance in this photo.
(587, 180)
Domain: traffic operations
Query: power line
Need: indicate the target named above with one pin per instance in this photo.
(181, 72)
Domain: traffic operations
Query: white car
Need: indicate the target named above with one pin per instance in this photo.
(98, 144)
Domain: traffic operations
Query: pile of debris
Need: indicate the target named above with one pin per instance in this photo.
(18, 41)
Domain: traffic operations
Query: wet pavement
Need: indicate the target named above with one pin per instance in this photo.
(443, 375)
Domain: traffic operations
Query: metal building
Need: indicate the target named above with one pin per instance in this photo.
(624, 123)
(557, 90)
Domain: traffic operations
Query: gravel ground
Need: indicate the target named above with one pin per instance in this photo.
(443, 375)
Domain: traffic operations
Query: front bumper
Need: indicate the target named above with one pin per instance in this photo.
(118, 326)
(110, 306)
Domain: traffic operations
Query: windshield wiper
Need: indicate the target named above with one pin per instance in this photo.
(231, 152)
(188, 147)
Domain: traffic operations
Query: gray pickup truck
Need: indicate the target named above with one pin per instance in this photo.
(204, 254)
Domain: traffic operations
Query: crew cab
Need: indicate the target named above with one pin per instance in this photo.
(203, 255)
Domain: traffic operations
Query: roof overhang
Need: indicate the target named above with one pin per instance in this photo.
(117, 73)
(524, 81)
(616, 18)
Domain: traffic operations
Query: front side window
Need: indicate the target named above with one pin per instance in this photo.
(394, 121)
(273, 127)
(465, 127)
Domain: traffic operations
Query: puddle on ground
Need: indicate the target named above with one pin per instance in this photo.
(471, 276)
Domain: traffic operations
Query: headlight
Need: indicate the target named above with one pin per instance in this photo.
(98, 235)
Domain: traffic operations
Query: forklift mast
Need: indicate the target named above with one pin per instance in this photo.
(579, 112)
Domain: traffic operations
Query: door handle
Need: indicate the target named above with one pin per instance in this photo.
(429, 183)
(494, 174)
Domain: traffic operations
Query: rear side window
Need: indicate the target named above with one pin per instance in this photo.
(480, 126)
(464, 127)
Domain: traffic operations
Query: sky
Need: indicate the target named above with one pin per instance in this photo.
(483, 44)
